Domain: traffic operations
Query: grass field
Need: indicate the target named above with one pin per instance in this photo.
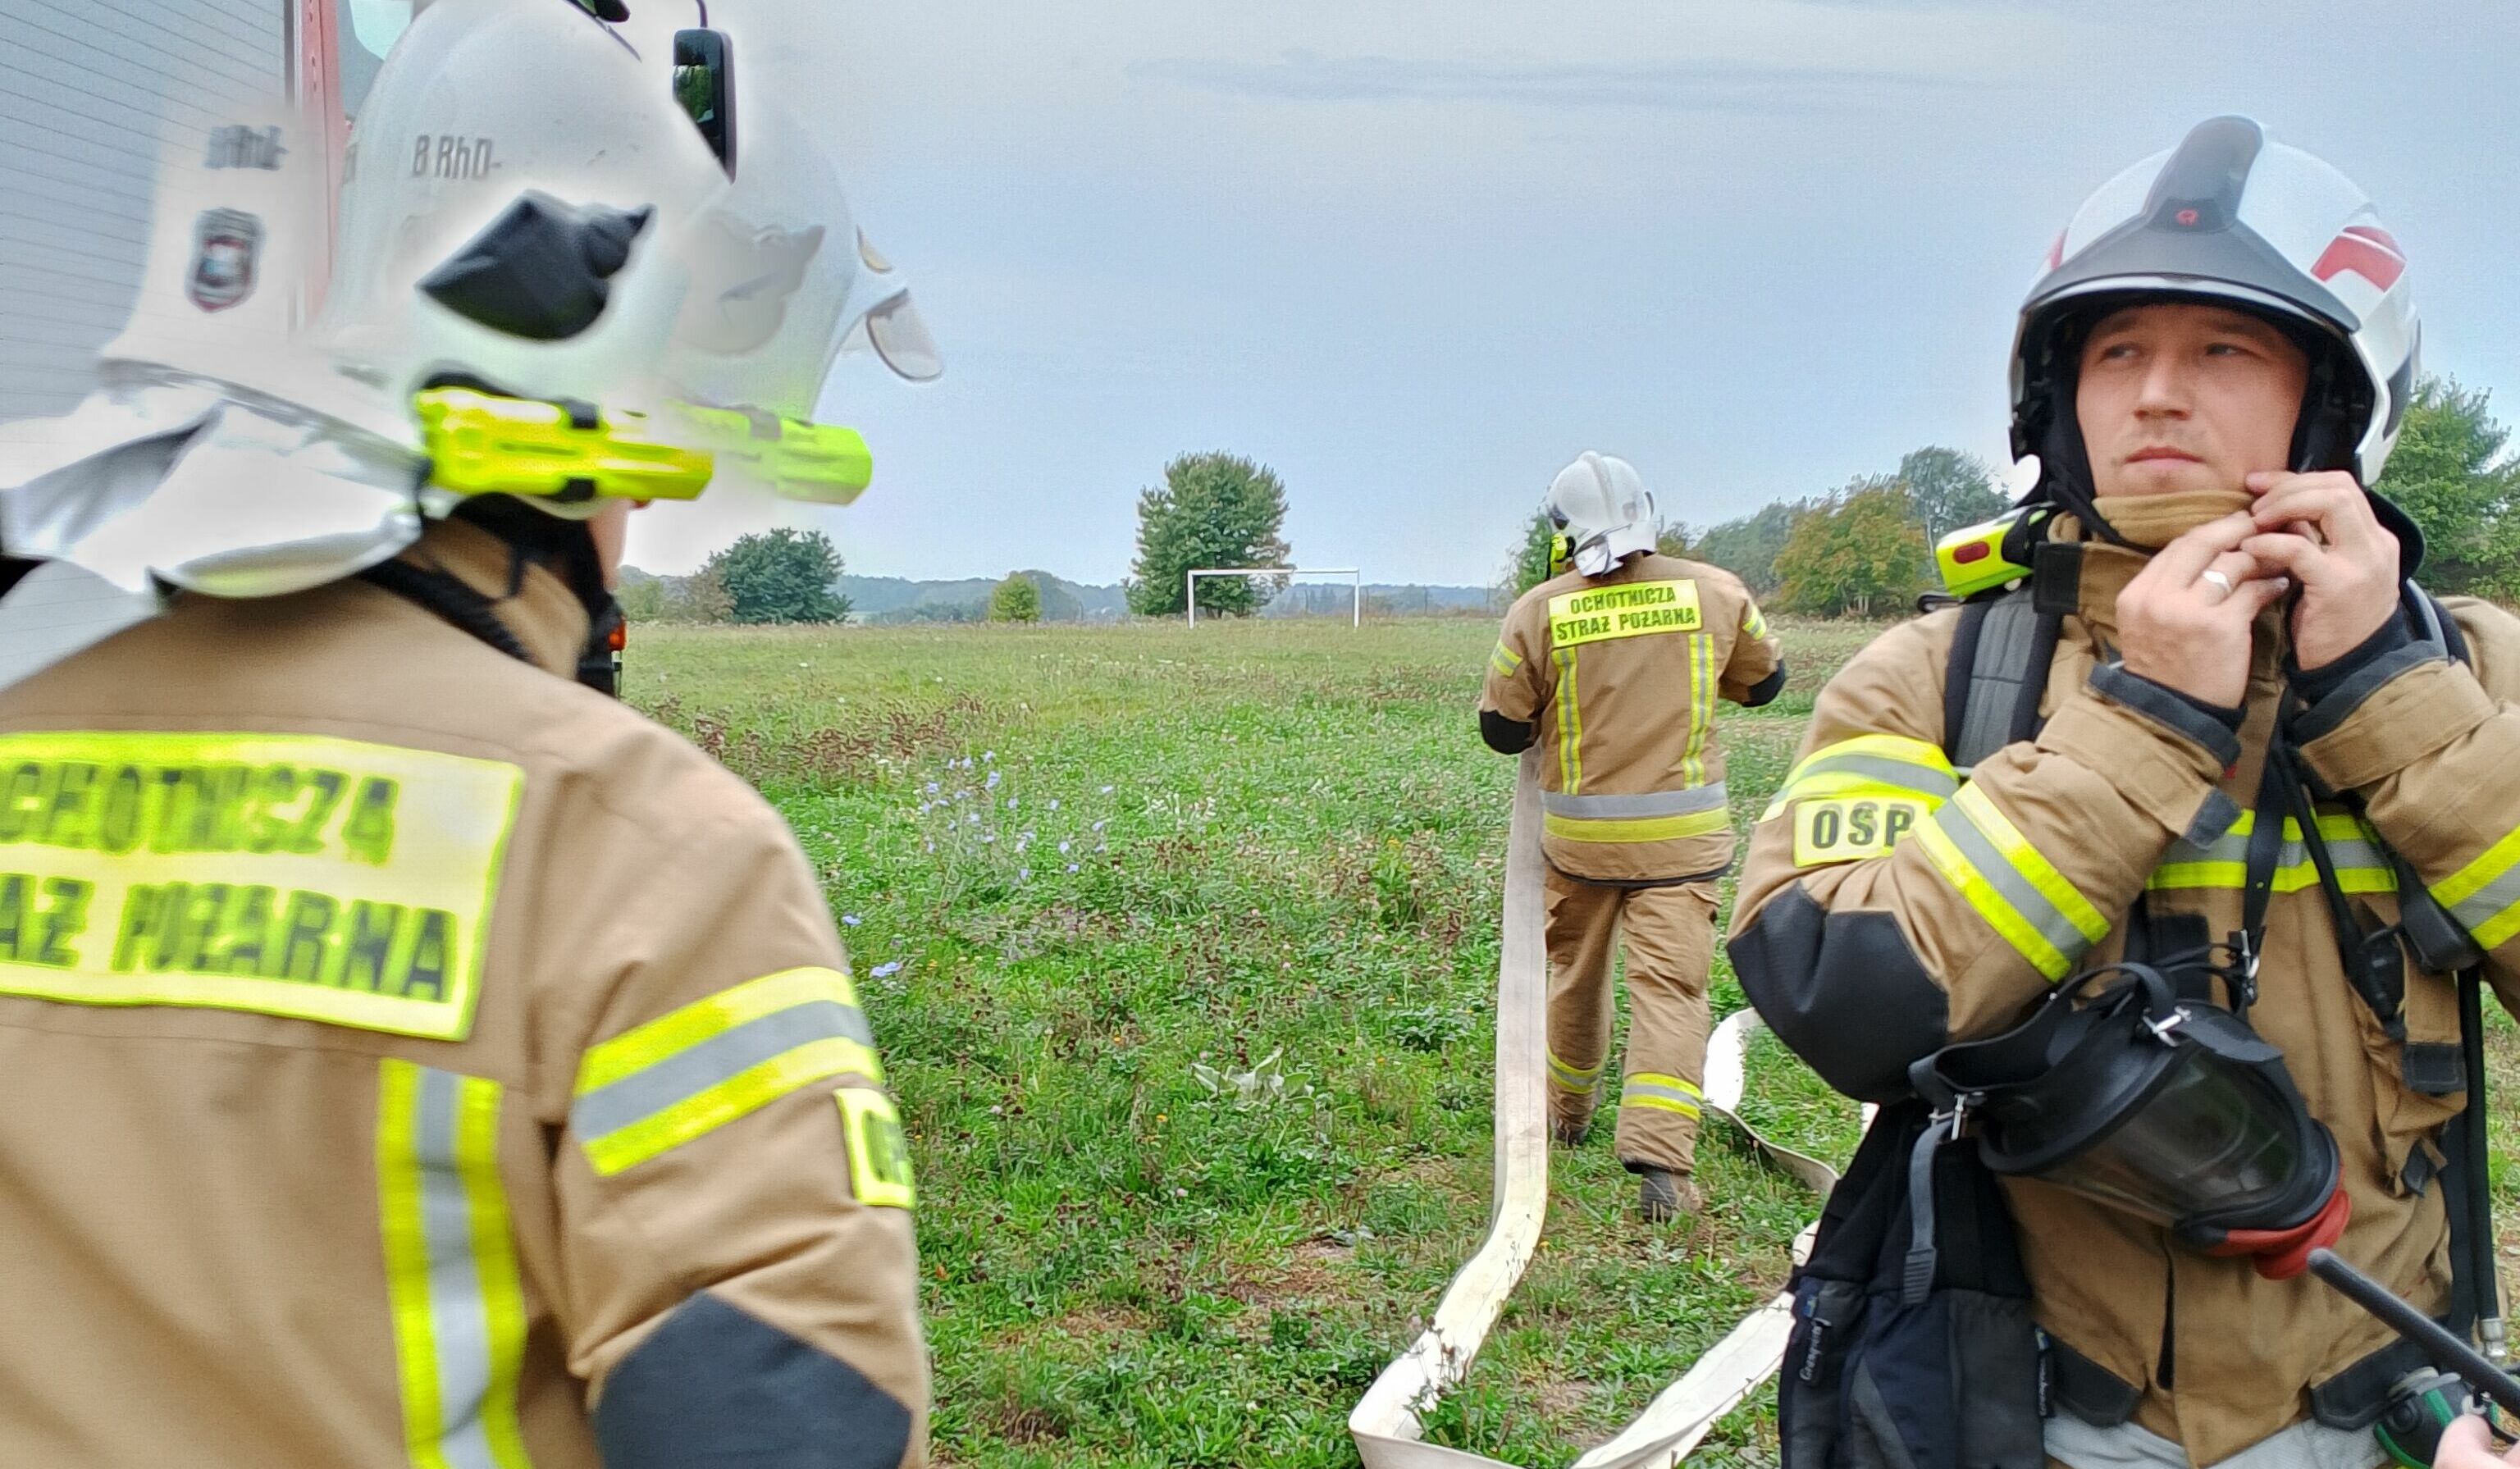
(1182, 950)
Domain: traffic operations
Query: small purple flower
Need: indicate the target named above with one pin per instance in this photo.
(1062, 848)
(1054, 803)
(993, 779)
(851, 919)
(886, 971)
(1071, 867)
(990, 756)
(1024, 874)
(1105, 821)
(932, 788)
(1106, 791)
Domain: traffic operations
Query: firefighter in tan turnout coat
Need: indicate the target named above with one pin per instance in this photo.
(2207, 405)
(409, 1055)
(1613, 669)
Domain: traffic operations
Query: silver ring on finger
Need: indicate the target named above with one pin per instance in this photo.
(2219, 580)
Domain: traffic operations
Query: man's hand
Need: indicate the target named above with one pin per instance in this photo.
(2184, 622)
(2320, 529)
(2466, 1445)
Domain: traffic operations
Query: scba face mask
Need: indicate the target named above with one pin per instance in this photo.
(2171, 1109)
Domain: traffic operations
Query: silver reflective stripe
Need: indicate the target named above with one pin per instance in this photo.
(1620, 808)
(695, 1069)
(2007, 880)
(2487, 903)
(1573, 1077)
(2349, 853)
(1921, 779)
(1650, 1091)
(2307, 1445)
(459, 1317)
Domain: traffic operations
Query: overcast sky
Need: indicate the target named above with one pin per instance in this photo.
(1415, 254)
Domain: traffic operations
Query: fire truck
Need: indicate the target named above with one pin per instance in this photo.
(92, 93)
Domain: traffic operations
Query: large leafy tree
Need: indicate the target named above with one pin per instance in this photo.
(1859, 551)
(1015, 599)
(1527, 566)
(1212, 509)
(1950, 489)
(779, 575)
(1748, 547)
(2450, 472)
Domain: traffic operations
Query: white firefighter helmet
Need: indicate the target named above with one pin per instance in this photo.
(522, 188)
(2233, 217)
(485, 108)
(1601, 507)
(783, 279)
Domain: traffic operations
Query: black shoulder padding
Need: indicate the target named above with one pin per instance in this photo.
(1843, 991)
(1505, 736)
(716, 1386)
(1765, 690)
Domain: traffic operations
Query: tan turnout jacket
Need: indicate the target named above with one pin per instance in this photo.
(1621, 673)
(397, 1041)
(1886, 908)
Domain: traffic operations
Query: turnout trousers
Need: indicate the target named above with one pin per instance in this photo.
(1669, 935)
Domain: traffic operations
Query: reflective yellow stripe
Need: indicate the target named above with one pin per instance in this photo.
(1570, 726)
(1756, 624)
(2360, 860)
(1504, 661)
(451, 1275)
(1701, 706)
(1653, 828)
(688, 1072)
(2484, 894)
(1669, 1094)
(1869, 765)
(2010, 884)
(1575, 1078)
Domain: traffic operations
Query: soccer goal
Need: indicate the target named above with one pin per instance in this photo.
(1355, 584)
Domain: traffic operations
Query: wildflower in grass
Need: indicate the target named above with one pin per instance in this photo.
(971, 816)
(887, 970)
(1106, 791)
(1105, 821)
(1054, 803)
(932, 788)
(993, 779)
(990, 756)
(1010, 802)
(1062, 848)
(1071, 867)
(851, 919)
(1024, 874)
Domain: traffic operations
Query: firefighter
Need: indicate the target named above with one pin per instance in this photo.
(407, 1053)
(2242, 739)
(1612, 668)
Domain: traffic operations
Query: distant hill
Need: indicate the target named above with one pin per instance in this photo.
(898, 599)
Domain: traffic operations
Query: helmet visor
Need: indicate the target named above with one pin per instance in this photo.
(2214, 1142)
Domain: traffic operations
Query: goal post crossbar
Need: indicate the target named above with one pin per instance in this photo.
(1355, 580)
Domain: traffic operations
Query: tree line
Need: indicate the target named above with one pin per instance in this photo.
(1866, 548)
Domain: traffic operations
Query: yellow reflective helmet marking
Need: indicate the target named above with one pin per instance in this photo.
(451, 1275)
(481, 444)
(822, 464)
(1625, 609)
(880, 1171)
(650, 1089)
(1971, 558)
(294, 876)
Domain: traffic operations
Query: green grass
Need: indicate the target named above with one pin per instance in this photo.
(1200, 1103)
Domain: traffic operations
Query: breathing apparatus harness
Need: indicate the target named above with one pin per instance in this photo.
(2108, 1073)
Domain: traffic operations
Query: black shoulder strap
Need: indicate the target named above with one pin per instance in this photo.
(1997, 671)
